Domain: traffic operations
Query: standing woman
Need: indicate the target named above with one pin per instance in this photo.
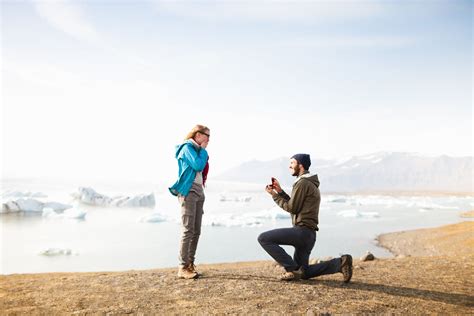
(189, 188)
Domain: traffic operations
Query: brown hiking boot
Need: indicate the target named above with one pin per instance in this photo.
(192, 268)
(346, 267)
(287, 276)
(185, 273)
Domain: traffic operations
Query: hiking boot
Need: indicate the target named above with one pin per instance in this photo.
(192, 268)
(346, 267)
(287, 276)
(185, 273)
(299, 274)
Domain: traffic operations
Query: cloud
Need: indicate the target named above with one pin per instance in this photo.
(271, 10)
(67, 17)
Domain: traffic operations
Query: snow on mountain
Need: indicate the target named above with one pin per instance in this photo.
(378, 171)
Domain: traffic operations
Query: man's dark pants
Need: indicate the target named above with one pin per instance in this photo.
(303, 240)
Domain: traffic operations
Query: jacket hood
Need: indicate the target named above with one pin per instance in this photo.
(179, 147)
(313, 178)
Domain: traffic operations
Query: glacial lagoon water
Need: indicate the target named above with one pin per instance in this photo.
(126, 238)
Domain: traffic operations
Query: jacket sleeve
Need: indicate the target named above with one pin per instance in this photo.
(292, 204)
(284, 195)
(197, 160)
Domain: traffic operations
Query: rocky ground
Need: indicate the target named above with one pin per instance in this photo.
(439, 281)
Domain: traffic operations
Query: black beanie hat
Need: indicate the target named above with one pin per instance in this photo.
(303, 159)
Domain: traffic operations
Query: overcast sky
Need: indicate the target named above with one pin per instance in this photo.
(108, 88)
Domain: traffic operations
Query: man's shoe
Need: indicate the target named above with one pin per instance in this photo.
(299, 274)
(287, 276)
(346, 267)
(192, 268)
(185, 273)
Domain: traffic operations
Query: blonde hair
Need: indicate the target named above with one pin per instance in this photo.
(196, 129)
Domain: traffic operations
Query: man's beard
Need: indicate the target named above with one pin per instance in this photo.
(296, 171)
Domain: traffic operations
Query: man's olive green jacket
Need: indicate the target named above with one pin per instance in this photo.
(303, 205)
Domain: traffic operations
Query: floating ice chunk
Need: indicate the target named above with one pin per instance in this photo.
(271, 214)
(142, 200)
(49, 212)
(349, 213)
(153, 218)
(225, 198)
(372, 200)
(20, 194)
(58, 207)
(281, 216)
(250, 219)
(91, 197)
(31, 205)
(73, 213)
(357, 214)
(56, 252)
(370, 214)
(9, 207)
(433, 206)
(232, 221)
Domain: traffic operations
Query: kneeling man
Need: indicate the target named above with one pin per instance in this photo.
(303, 205)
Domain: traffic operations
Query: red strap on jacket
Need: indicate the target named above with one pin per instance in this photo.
(204, 172)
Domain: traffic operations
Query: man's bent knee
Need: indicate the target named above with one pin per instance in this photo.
(263, 238)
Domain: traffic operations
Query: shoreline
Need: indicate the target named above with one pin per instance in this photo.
(448, 240)
(440, 239)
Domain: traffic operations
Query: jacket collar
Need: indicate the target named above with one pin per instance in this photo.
(306, 174)
(193, 142)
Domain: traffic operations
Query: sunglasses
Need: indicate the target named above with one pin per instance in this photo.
(205, 134)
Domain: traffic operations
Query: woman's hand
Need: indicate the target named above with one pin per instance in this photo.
(204, 143)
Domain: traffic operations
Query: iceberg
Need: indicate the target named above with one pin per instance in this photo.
(224, 198)
(232, 221)
(20, 194)
(426, 203)
(72, 213)
(432, 206)
(273, 213)
(56, 252)
(357, 214)
(91, 197)
(153, 218)
(31, 205)
(255, 219)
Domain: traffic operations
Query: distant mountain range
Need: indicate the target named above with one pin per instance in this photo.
(383, 171)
